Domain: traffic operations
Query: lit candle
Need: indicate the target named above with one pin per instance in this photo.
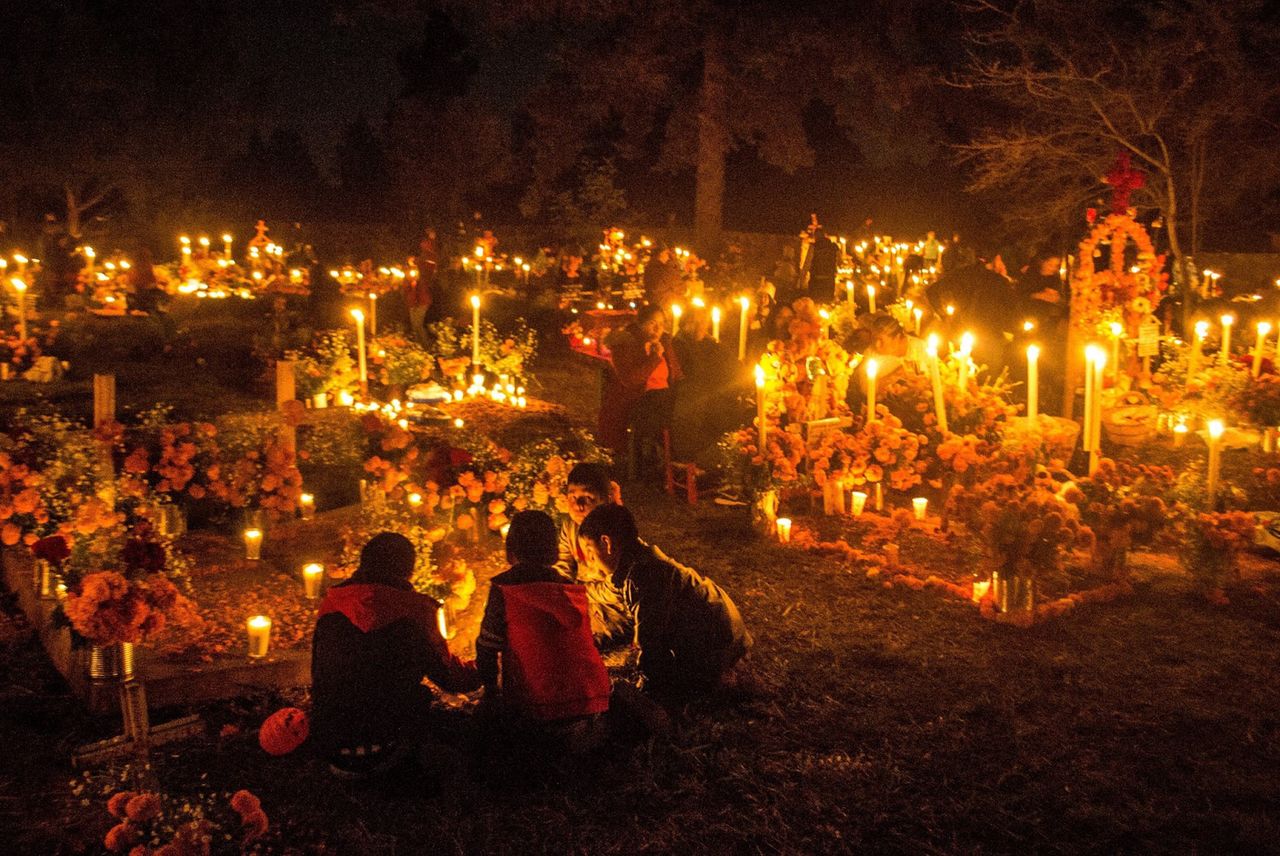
(857, 503)
(935, 373)
(253, 544)
(873, 368)
(307, 503)
(1263, 329)
(1179, 434)
(1033, 381)
(966, 348)
(20, 286)
(871, 297)
(715, 323)
(745, 303)
(853, 304)
(1197, 348)
(1095, 443)
(826, 323)
(89, 257)
(475, 329)
(1224, 356)
(1117, 333)
(226, 245)
(312, 579)
(358, 314)
(259, 627)
(760, 405)
(784, 529)
(980, 589)
(919, 314)
(676, 311)
(1216, 429)
(920, 505)
(442, 622)
(1086, 433)
(373, 314)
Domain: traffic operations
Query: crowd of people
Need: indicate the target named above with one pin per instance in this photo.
(569, 594)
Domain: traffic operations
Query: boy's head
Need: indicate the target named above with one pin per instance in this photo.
(587, 487)
(531, 540)
(387, 558)
(607, 533)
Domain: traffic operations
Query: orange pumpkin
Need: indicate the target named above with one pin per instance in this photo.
(284, 731)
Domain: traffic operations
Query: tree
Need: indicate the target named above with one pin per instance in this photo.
(1184, 87)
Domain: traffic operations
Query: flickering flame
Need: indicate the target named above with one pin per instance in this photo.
(1216, 429)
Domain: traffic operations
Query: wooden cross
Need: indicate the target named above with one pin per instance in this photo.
(139, 735)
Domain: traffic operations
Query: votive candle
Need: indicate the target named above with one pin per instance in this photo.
(307, 503)
(313, 579)
(253, 544)
(784, 529)
(259, 630)
(920, 505)
(857, 503)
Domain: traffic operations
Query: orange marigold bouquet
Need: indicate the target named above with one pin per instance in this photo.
(776, 467)
(1212, 545)
(160, 825)
(109, 608)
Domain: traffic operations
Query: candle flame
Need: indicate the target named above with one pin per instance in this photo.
(931, 345)
(1033, 353)
(1264, 327)
(259, 622)
(1227, 320)
(966, 343)
(760, 376)
(1202, 329)
(358, 314)
(1216, 428)
(475, 301)
(872, 368)
(314, 569)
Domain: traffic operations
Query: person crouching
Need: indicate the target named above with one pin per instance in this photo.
(535, 653)
(375, 640)
(689, 630)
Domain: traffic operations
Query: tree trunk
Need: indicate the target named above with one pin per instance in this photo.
(73, 212)
(1180, 273)
(708, 205)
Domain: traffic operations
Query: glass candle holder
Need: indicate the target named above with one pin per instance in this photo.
(857, 503)
(313, 579)
(307, 504)
(920, 505)
(253, 544)
(784, 529)
(259, 630)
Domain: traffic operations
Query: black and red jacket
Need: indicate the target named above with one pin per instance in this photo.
(372, 647)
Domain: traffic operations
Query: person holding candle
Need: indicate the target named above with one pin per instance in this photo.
(375, 640)
(535, 653)
(689, 630)
(640, 391)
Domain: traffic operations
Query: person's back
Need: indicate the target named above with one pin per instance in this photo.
(374, 642)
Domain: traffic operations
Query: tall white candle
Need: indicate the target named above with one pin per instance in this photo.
(1086, 432)
(89, 257)
(1264, 328)
(919, 314)
(475, 329)
(745, 303)
(871, 297)
(853, 304)
(935, 372)
(760, 406)
(1033, 381)
(358, 314)
(1095, 444)
(1216, 429)
(966, 348)
(20, 286)
(873, 368)
(1224, 356)
(373, 314)
(715, 323)
(676, 311)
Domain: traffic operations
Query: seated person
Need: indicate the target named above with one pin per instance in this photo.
(535, 645)
(689, 631)
(375, 640)
(589, 486)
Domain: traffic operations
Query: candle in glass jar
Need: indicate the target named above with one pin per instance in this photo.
(857, 503)
(307, 503)
(784, 529)
(920, 505)
(253, 544)
(313, 579)
(259, 630)
(980, 589)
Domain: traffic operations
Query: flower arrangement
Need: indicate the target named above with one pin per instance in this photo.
(62, 463)
(21, 354)
(1259, 400)
(1122, 504)
(110, 608)
(1212, 544)
(180, 463)
(806, 376)
(327, 366)
(507, 353)
(159, 825)
(538, 473)
(755, 470)
(400, 362)
(1024, 529)
(885, 452)
(257, 470)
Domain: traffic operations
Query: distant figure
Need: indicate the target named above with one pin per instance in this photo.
(640, 392)
(662, 280)
(375, 640)
(419, 291)
(704, 409)
(535, 653)
(825, 259)
(689, 630)
(932, 251)
(147, 295)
